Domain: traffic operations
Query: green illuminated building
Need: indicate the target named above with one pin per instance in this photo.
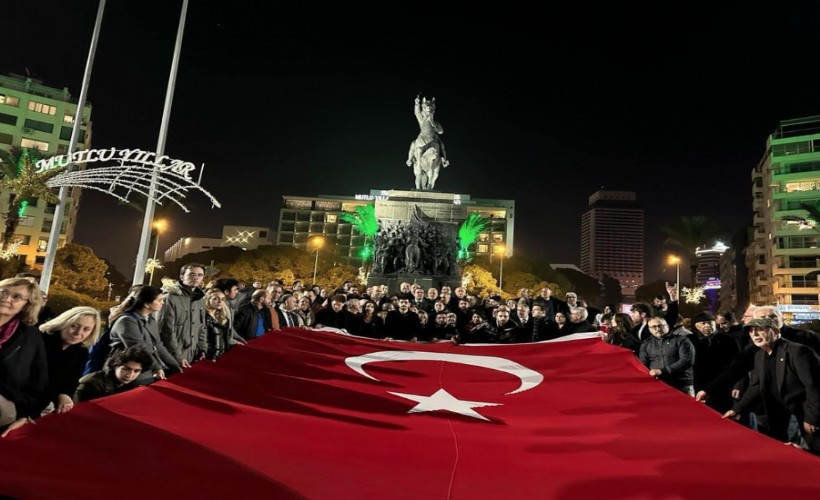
(35, 116)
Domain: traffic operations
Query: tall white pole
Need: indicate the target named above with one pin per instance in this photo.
(315, 265)
(57, 222)
(501, 273)
(148, 220)
(156, 247)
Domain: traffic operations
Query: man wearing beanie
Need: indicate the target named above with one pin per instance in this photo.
(714, 351)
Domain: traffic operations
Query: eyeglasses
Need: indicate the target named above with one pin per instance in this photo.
(656, 327)
(14, 297)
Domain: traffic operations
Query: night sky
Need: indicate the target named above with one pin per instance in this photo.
(541, 106)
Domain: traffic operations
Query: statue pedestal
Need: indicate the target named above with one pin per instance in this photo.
(440, 207)
(417, 238)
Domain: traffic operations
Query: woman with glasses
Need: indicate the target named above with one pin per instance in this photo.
(67, 339)
(136, 326)
(23, 365)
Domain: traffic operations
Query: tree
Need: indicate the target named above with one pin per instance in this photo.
(587, 287)
(613, 294)
(77, 268)
(648, 291)
(19, 174)
(688, 233)
(479, 281)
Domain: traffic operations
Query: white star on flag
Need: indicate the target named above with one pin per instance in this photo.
(443, 400)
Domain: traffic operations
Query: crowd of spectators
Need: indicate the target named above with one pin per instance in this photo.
(762, 372)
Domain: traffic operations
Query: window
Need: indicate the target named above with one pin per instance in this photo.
(39, 107)
(805, 299)
(6, 138)
(791, 148)
(42, 245)
(801, 186)
(38, 125)
(803, 282)
(24, 239)
(498, 238)
(9, 100)
(802, 262)
(67, 118)
(65, 134)
(31, 143)
(8, 119)
(40, 259)
(330, 218)
(483, 248)
(263, 234)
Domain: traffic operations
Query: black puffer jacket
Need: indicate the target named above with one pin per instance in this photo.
(673, 354)
(24, 370)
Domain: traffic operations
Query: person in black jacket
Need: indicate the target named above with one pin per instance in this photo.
(67, 339)
(669, 356)
(23, 365)
(786, 379)
(714, 351)
(335, 316)
(402, 324)
(254, 318)
(119, 375)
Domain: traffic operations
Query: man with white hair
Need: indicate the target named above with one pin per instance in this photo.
(786, 380)
(578, 320)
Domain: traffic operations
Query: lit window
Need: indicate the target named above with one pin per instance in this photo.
(483, 248)
(498, 238)
(9, 100)
(42, 245)
(330, 217)
(39, 107)
(30, 143)
(67, 118)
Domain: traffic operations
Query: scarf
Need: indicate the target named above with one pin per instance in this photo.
(7, 330)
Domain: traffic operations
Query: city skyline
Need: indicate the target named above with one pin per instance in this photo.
(320, 101)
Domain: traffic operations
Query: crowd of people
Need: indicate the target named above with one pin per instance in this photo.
(759, 371)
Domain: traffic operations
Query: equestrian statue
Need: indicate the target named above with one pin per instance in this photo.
(427, 155)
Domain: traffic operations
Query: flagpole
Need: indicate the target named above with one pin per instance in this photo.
(148, 220)
(57, 222)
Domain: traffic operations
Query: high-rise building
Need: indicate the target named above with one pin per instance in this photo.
(612, 233)
(306, 216)
(783, 258)
(707, 272)
(35, 116)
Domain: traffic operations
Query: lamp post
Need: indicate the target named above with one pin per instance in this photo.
(501, 250)
(160, 226)
(674, 259)
(317, 242)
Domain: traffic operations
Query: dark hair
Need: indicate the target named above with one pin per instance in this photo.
(146, 295)
(225, 284)
(661, 296)
(405, 296)
(134, 353)
(339, 298)
(642, 308)
(729, 316)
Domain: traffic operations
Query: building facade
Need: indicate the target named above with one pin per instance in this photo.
(303, 217)
(245, 237)
(612, 239)
(35, 116)
(783, 256)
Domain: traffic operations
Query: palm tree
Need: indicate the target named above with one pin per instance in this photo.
(18, 174)
(690, 233)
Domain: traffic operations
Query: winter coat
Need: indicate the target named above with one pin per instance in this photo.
(24, 370)
(182, 323)
(673, 354)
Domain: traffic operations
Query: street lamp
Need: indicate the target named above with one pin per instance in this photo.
(674, 259)
(501, 250)
(317, 242)
(160, 226)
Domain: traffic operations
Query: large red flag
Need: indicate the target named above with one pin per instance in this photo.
(303, 414)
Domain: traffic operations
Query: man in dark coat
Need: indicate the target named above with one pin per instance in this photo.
(669, 356)
(403, 324)
(714, 351)
(335, 316)
(786, 379)
(254, 318)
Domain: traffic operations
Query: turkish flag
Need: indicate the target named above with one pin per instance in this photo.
(306, 414)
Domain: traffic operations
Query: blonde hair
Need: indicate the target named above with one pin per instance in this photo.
(28, 315)
(221, 314)
(67, 318)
